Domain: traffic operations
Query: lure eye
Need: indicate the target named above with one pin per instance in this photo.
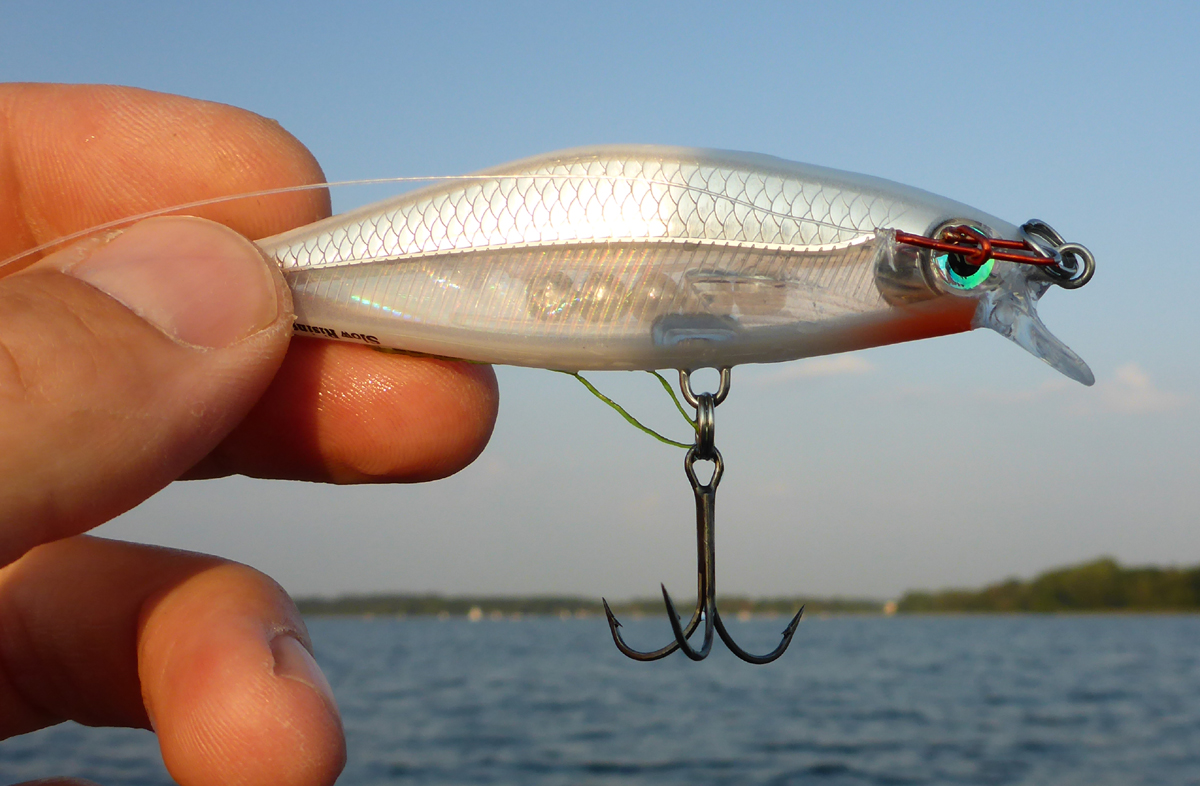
(959, 274)
(952, 267)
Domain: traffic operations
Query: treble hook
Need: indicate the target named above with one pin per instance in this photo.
(706, 499)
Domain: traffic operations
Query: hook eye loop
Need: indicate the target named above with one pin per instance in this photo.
(685, 387)
(1073, 265)
(718, 469)
(1076, 268)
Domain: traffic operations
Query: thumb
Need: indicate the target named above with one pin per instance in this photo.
(123, 361)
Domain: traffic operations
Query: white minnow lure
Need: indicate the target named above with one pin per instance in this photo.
(655, 257)
(645, 257)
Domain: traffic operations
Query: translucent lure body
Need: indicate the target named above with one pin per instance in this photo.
(641, 257)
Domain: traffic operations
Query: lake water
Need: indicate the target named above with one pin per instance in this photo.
(906, 700)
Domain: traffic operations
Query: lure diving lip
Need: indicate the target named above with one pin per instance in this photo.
(643, 257)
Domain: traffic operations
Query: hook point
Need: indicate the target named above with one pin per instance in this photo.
(670, 606)
(790, 630)
(613, 622)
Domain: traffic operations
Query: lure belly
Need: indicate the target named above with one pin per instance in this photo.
(642, 257)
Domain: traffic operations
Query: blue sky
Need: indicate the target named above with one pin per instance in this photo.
(954, 461)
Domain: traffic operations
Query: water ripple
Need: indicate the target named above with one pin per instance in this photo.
(871, 701)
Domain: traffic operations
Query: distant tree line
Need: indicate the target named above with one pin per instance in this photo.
(1100, 585)
(564, 606)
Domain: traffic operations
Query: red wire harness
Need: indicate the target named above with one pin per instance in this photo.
(977, 248)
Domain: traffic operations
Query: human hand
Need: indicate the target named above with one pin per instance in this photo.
(160, 353)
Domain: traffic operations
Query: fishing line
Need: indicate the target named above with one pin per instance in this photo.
(630, 418)
(122, 222)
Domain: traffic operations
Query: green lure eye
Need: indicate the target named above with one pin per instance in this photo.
(959, 274)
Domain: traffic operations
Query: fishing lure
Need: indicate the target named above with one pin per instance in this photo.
(641, 257)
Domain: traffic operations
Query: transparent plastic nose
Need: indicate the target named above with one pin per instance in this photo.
(1011, 311)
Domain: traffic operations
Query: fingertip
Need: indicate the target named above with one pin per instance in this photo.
(347, 413)
(233, 694)
(433, 419)
(83, 155)
(403, 417)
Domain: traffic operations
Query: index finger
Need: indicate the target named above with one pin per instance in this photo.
(76, 156)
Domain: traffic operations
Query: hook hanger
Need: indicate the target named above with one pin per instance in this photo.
(703, 449)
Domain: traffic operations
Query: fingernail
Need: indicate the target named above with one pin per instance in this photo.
(295, 662)
(198, 282)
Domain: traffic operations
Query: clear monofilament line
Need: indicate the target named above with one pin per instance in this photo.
(122, 222)
(162, 211)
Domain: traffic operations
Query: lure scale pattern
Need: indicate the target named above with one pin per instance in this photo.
(613, 197)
